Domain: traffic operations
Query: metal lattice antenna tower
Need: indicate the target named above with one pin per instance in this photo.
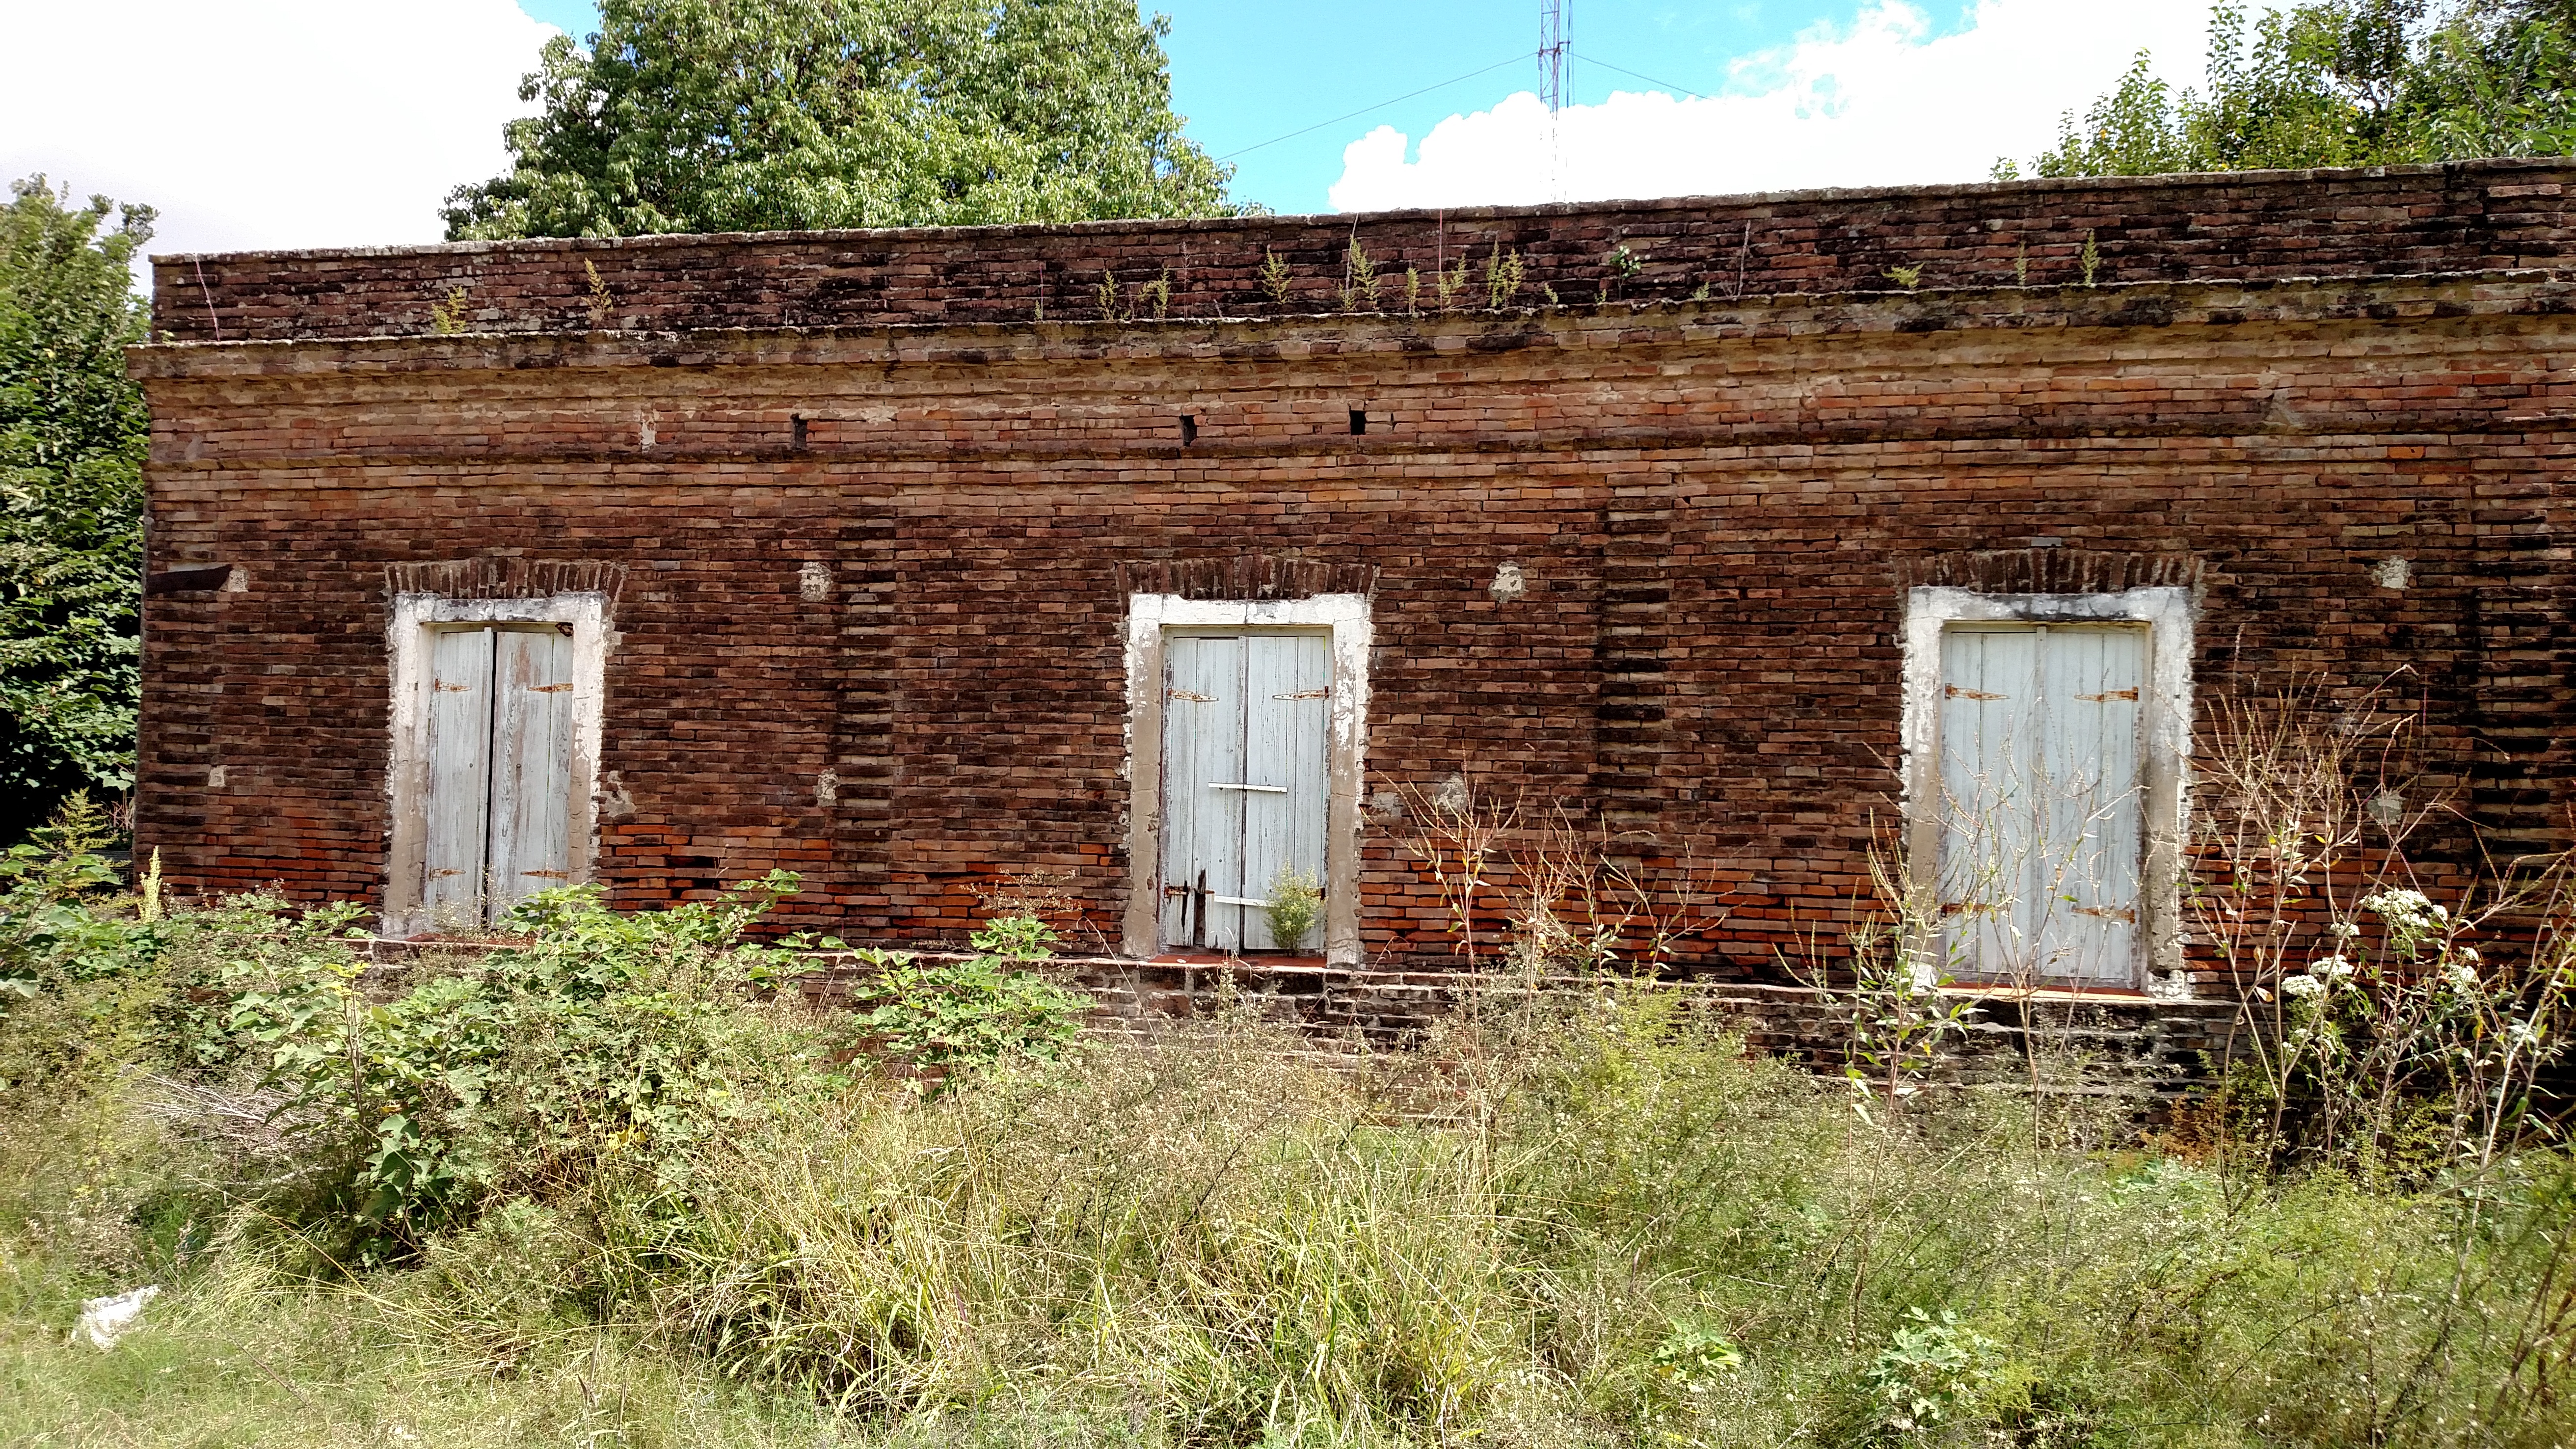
(1552, 19)
(1555, 21)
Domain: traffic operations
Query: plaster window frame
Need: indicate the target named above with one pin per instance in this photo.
(408, 630)
(2170, 616)
(1346, 618)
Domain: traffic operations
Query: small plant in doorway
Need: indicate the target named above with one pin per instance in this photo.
(1296, 903)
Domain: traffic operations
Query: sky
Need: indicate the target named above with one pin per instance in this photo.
(314, 123)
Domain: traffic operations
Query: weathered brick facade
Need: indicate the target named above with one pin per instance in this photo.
(871, 505)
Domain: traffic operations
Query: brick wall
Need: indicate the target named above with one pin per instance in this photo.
(2395, 221)
(1714, 506)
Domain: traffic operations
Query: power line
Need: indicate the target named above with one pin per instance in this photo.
(1650, 80)
(1379, 106)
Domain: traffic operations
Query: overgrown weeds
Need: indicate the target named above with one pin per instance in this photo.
(640, 1197)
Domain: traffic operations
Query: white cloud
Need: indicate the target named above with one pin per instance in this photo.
(1881, 101)
(265, 123)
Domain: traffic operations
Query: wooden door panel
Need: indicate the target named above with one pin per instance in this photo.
(460, 740)
(1202, 824)
(1987, 717)
(1287, 694)
(532, 805)
(2040, 802)
(2090, 685)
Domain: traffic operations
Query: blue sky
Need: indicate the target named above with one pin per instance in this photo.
(1244, 73)
(257, 124)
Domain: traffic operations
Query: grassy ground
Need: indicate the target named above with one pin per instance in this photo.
(1624, 1232)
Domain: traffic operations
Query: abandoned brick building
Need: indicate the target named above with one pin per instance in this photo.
(1760, 532)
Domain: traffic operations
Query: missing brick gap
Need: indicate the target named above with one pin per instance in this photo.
(1189, 428)
(796, 425)
(1359, 421)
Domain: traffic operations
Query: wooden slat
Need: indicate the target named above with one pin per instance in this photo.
(532, 805)
(2090, 684)
(1202, 828)
(2040, 840)
(1287, 688)
(1986, 722)
(459, 738)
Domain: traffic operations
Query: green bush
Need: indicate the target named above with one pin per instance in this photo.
(604, 1042)
(947, 1021)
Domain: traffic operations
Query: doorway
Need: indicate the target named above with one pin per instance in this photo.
(1246, 715)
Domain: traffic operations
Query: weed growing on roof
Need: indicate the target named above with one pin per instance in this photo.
(1275, 277)
(1359, 279)
(447, 316)
(1449, 283)
(1502, 276)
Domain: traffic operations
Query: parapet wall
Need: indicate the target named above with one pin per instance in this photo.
(2252, 226)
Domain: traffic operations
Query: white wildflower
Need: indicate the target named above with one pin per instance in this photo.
(2330, 968)
(2406, 910)
(2302, 986)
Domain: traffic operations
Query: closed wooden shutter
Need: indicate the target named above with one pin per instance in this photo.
(2040, 802)
(532, 708)
(460, 777)
(500, 802)
(1244, 779)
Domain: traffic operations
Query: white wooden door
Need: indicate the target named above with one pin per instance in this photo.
(500, 770)
(530, 835)
(2040, 793)
(460, 777)
(1244, 794)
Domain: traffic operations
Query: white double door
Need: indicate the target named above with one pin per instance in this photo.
(1245, 719)
(500, 737)
(2040, 802)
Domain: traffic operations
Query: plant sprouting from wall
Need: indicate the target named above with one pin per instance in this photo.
(1502, 276)
(1359, 279)
(447, 316)
(2090, 259)
(1908, 278)
(1275, 277)
(1619, 266)
(1412, 291)
(599, 302)
(1449, 283)
(1156, 295)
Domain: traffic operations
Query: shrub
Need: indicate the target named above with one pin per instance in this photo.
(604, 1042)
(947, 1021)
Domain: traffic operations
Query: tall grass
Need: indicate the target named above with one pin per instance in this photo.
(1612, 1227)
(665, 1209)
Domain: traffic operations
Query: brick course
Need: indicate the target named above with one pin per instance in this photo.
(1715, 504)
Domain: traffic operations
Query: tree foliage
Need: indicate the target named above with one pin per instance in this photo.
(751, 115)
(72, 439)
(2342, 83)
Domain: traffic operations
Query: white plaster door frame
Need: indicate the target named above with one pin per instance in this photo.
(2162, 739)
(1345, 620)
(569, 717)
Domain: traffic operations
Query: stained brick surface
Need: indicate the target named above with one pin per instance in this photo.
(1715, 505)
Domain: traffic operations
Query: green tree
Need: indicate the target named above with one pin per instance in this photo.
(72, 439)
(2342, 83)
(750, 115)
